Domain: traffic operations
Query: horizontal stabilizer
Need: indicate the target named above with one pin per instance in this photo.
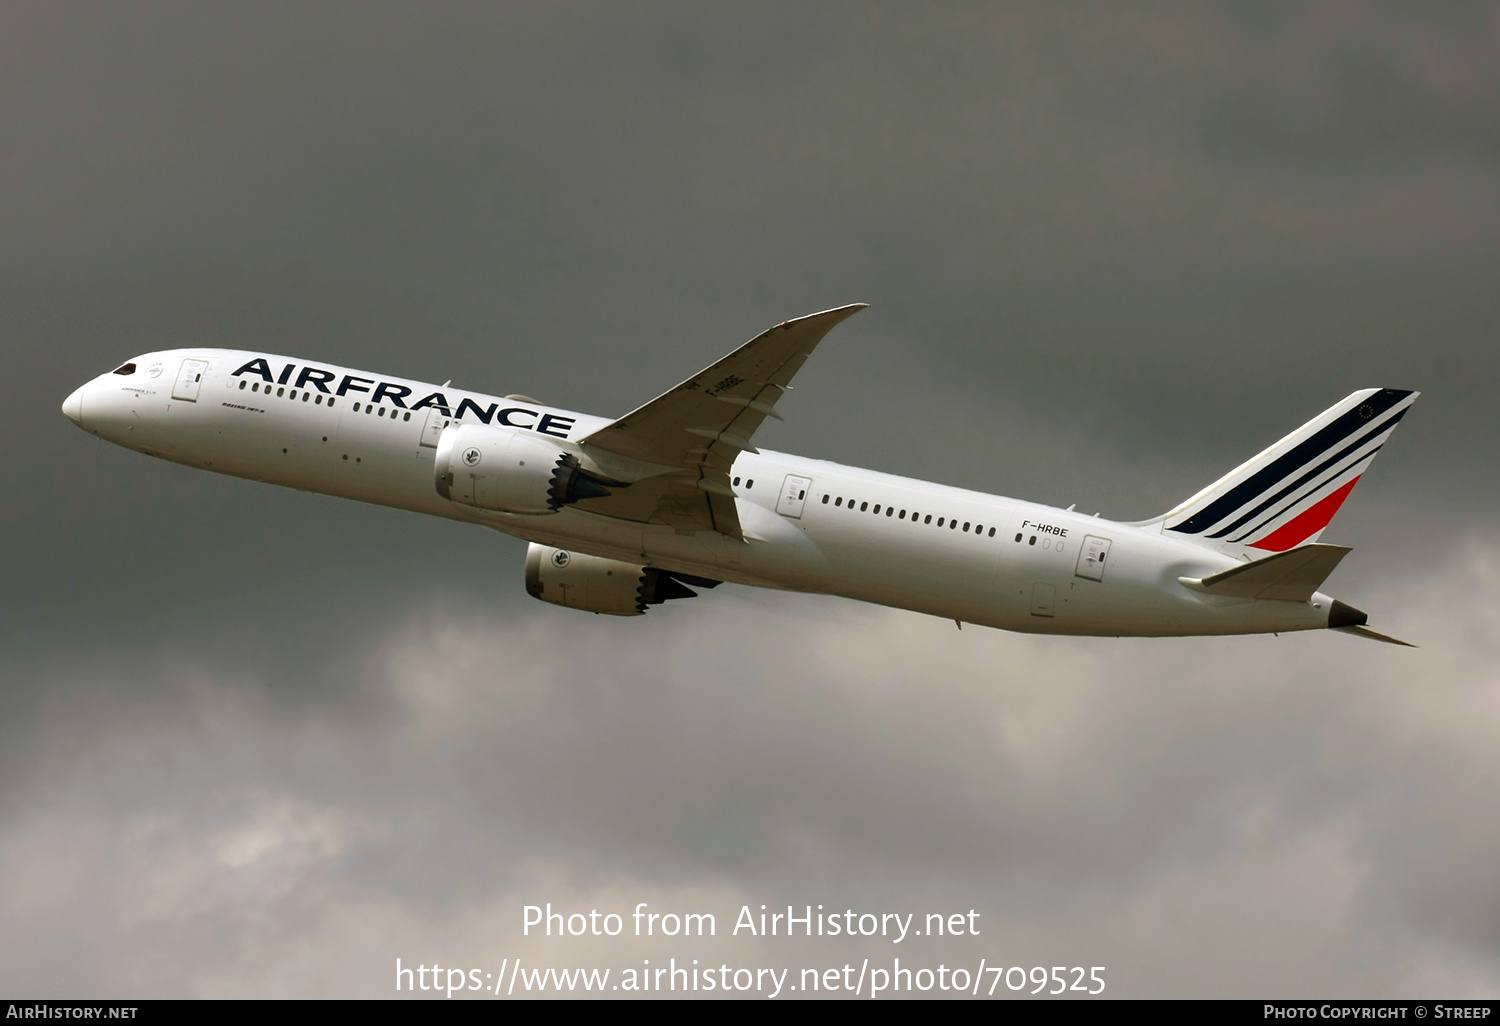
(1365, 632)
(1292, 576)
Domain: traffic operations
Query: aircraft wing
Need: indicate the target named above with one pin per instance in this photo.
(693, 434)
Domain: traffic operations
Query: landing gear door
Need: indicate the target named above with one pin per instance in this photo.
(433, 427)
(1091, 560)
(793, 496)
(188, 380)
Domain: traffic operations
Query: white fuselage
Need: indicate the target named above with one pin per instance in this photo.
(964, 555)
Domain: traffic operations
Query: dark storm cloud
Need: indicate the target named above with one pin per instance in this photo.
(1111, 254)
(1085, 796)
(1355, 90)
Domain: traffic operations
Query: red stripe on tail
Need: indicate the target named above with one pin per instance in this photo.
(1307, 523)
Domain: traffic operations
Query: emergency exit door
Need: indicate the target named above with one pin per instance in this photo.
(793, 496)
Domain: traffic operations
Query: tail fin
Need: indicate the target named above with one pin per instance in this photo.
(1287, 495)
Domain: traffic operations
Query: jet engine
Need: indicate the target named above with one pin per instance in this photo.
(511, 470)
(600, 585)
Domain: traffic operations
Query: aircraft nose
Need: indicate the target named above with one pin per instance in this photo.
(73, 406)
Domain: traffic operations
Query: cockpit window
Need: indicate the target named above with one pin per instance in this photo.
(129, 368)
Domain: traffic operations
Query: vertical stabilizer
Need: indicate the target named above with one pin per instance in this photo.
(1287, 495)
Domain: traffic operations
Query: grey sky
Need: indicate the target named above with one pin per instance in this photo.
(1110, 253)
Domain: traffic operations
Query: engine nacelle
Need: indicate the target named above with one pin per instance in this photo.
(510, 470)
(599, 585)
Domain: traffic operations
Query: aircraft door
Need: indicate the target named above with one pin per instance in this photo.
(433, 427)
(189, 378)
(793, 496)
(1091, 560)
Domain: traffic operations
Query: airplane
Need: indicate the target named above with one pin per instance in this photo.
(629, 513)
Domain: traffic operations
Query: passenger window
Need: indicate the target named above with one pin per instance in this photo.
(256, 388)
(293, 395)
(407, 417)
(877, 509)
(356, 407)
(736, 482)
(1018, 536)
(242, 384)
(319, 400)
(308, 395)
(953, 525)
(928, 520)
(940, 521)
(966, 526)
(863, 506)
(1032, 541)
(903, 514)
(280, 392)
(992, 532)
(889, 510)
(839, 501)
(330, 400)
(825, 500)
(382, 411)
(749, 482)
